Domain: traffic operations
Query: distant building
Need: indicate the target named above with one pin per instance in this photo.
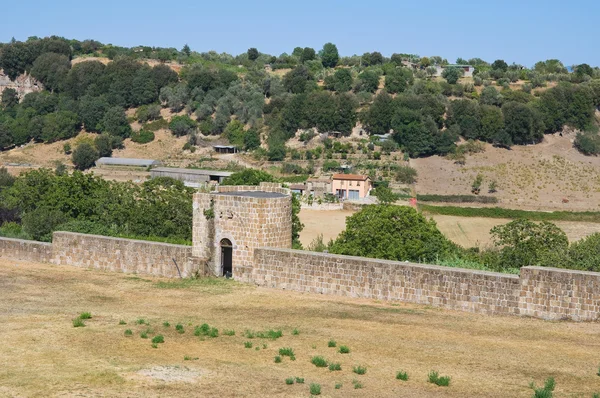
(468, 69)
(225, 148)
(351, 186)
(190, 177)
(127, 162)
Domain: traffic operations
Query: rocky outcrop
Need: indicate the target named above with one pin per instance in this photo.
(24, 84)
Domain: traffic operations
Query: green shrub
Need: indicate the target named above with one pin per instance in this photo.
(166, 324)
(142, 136)
(335, 366)
(229, 332)
(154, 345)
(300, 380)
(546, 391)
(122, 322)
(315, 389)
(78, 323)
(179, 328)
(248, 344)
(277, 358)
(84, 156)
(128, 332)
(344, 349)
(402, 376)
(41, 222)
(585, 254)
(319, 361)
(295, 332)
(357, 384)
(85, 315)
(144, 334)
(289, 381)
(141, 321)
(587, 143)
(287, 352)
(156, 125)
(331, 343)
(406, 175)
(158, 339)
(338, 386)
(434, 378)
(359, 370)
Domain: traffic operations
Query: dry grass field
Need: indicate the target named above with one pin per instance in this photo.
(42, 354)
(465, 231)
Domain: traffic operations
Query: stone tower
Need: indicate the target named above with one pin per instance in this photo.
(232, 221)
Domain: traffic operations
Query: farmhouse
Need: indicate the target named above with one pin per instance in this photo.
(351, 186)
(468, 69)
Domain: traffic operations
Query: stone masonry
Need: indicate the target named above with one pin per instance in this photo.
(250, 217)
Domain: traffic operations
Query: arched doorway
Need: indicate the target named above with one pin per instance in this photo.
(226, 257)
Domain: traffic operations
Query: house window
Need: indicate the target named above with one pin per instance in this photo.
(358, 184)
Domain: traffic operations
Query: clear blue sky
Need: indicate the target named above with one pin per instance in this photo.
(522, 31)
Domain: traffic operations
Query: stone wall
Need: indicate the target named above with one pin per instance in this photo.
(554, 293)
(123, 255)
(26, 250)
(548, 293)
(23, 84)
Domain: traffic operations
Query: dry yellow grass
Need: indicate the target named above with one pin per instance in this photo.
(42, 354)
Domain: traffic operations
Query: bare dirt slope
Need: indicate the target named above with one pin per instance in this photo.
(528, 177)
(44, 355)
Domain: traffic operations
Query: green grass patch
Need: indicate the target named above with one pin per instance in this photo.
(158, 339)
(141, 321)
(122, 322)
(299, 380)
(497, 212)
(402, 376)
(344, 349)
(359, 370)
(295, 332)
(338, 386)
(179, 328)
(319, 361)
(229, 332)
(289, 381)
(435, 378)
(277, 358)
(85, 315)
(144, 334)
(206, 330)
(128, 332)
(315, 389)
(248, 344)
(456, 198)
(166, 324)
(331, 343)
(335, 366)
(546, 391)
(78, 323)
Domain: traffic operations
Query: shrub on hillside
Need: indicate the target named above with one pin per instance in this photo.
(39, 223)
(142, 136)
(587, 143)
(182, 125)
(84, 156)
(585, 253)
(406, 175)
(146, 113)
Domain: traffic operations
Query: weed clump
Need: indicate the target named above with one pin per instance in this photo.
(315, 389)
(319, 361)
(248, 344)
(289, 381)
(546, 391)
(331, 343)
(335, 366)
(338, 386)
(179, 328)
(295, 332)
(141, 321)
(122, 322)
(158, 339)
(434, 378)
(144, 334)
(344, 350)
(166, 324)
(78, 323)
(128, 332)
(85, 315)
(300, 380)
(402, 376)
(287, 352)
(229, 332)
(359, 370)
(277, 359)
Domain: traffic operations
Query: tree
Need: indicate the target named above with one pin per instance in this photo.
(297, 80)
(522, 123)
(499, 64)
(585, 253)
(308, 54)
(385, 195)
(144, 89)
(251, 140)
(329, 55)
(59, 126)
(452, 74)
(525, 243)
(425, 62)
(115, 122)
(103, 144)
(41, 222)
(186, 50)
(340, 81)
(377, 119)
(252, 54)
(84, 156)
(367, 81)
(248, 177)
(85, 78)
(91, 111)
(10, 98)
(6, 138)
(490, 96)
(234, 132)
(393, 233)
(182, 125)
(51, 69)
(587, 143)
(397, 80)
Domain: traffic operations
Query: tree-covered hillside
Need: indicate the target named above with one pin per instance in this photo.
(254, 97)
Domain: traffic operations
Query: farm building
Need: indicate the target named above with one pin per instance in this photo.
(351, 186)
(191, 177)
(127, 162)
(225, 148)
(468, 69)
